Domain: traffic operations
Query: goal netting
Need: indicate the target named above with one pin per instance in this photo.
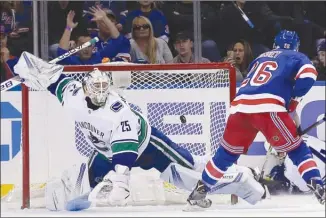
(187, 102)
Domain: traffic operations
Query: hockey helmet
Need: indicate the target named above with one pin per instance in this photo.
(287, 40)
(97, 86)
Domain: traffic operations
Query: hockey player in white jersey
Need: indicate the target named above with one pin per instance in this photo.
(285, 177)
(122, 138)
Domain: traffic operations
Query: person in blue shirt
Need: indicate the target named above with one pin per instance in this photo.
(104, 33)
(118, 43)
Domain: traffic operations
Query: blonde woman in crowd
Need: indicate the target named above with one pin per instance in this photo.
(145, 47)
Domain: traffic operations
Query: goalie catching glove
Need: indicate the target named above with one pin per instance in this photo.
(35, 72)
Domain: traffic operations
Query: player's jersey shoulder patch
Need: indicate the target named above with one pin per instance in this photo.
(116, 106)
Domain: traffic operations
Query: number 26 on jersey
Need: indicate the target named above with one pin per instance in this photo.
(261, 73)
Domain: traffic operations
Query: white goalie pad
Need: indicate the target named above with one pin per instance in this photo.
(73, 183)
(37, 73)
(238, 180)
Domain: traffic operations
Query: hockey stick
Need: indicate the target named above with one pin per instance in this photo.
(317, 123)
(297, 122)
(8, 84)
(244, 16)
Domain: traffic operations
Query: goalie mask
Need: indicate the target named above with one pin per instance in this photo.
(97, 87)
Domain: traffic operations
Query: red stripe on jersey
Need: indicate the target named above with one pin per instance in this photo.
(214, 172)
(305, 166)
(307, 70)
(257, 101)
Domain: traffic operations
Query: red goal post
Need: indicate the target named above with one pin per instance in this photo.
(70, 70)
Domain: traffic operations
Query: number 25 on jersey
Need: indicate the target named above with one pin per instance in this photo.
(262, 73)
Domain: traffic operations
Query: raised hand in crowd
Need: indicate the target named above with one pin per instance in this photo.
(97, 12)
(70, 20)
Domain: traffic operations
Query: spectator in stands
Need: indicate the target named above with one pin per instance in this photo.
(240, 55)
(184, 45)
(117, 7)
(234, 27)
(57, 13)
(180, 17)
(320, 61)
(156, 17)
(104, 33)
(5, 55)
(21, 35)
(145, 46)
(117, 44)
(7, 17)
(7, 27)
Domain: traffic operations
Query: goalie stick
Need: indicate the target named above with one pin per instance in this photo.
(15, 81)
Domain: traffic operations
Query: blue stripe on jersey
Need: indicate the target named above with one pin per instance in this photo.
(302, 86)
(126, 158)
(52, 88)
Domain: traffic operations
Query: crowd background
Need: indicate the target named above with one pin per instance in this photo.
(159, 31)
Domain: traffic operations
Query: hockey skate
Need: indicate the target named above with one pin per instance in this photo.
(318, 190)
(197, 198)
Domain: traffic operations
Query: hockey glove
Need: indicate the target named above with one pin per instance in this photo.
(293, 104)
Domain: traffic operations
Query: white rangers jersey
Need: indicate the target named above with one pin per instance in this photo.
(114, 129)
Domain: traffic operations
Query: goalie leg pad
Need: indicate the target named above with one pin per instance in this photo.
(241, 184)
(237, 180)
(55, 195)
(73, 183)
(180, 176)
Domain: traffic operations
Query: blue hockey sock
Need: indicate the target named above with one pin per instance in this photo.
(307, 167)
(216, 167)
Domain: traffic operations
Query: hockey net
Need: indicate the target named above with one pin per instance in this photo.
(187, 102)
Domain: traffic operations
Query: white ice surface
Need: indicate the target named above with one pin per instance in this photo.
(278, 206)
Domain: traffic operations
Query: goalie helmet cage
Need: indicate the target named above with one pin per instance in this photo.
(184, 73)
